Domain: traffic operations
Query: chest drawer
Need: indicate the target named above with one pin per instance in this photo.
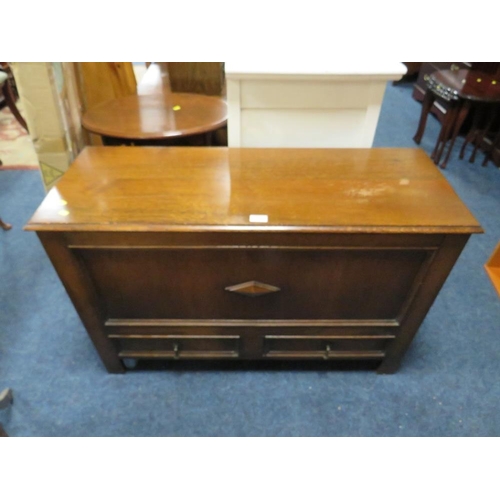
(177, 347)
(302, 346)
(262, 283)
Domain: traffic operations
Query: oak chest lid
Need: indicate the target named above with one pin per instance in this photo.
(328, 190)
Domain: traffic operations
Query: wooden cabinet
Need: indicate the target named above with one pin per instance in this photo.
(215, 253)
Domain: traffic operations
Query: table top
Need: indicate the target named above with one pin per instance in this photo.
(156, 116)
(465, 84)
(186, 189)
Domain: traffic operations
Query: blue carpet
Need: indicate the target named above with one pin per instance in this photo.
(448, 385)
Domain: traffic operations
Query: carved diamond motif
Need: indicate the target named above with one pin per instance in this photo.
(252, 288)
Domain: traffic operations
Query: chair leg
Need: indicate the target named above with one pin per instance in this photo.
(11, 103)
(4, 225)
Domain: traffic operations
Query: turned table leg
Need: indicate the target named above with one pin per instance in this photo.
(471, 136)
(444, 134)
(427, 103)
(461, 114)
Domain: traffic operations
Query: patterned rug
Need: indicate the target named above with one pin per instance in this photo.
(16, 148)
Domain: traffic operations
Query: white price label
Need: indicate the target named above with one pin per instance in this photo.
(258, 218)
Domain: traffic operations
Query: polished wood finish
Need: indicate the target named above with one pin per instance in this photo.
(153, 244)
(81, 290)
(468, 84)
(493, 268)
(157, 80)
(439, 107)
(196, 290)
(311, 190)
(156, 116)
(98, 82)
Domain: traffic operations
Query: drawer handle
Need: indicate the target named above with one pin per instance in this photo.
(252, 288)
(454, 67)
(327, 352)
(176, 350)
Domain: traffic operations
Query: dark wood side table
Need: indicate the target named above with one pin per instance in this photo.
(427, 68)
(156, 119)
(262, 254)
(439, 108)
(462, 89)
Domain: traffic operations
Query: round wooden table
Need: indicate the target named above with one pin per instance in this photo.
(156, 119)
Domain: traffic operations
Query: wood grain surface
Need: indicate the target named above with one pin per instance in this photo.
(156, 116)
(181, 189)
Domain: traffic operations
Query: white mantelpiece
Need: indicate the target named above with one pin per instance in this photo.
(311, 104)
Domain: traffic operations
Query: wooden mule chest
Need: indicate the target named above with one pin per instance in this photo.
(184, 253)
